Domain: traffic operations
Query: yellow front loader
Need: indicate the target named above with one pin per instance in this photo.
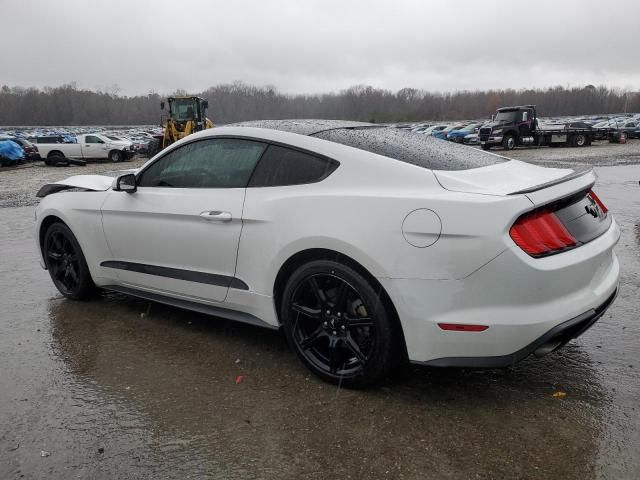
(187, 115)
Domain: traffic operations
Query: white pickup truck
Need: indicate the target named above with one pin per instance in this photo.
(89, 146)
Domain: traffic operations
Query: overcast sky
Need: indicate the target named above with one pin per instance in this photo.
(308, 46)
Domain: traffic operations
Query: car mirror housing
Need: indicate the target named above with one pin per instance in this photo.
(125, 183)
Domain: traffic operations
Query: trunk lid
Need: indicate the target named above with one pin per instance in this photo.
(539, 184)
(565, 213)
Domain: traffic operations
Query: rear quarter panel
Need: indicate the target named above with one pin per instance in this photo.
(359, 211)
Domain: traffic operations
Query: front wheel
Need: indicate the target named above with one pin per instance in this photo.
(337, 324)
(153, 147)
(115, 156)
(66, 263)
(509, 142)
(485, 146)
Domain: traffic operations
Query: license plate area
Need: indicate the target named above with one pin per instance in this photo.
(584, 218)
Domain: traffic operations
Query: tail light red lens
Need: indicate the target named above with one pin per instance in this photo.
(595, 198)
(541, 233)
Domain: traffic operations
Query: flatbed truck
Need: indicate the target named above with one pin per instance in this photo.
(518, 126)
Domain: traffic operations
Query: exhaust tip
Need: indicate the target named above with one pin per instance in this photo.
(547, 348)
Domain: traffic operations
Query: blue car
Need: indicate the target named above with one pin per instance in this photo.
(457, 135)
(442, 134)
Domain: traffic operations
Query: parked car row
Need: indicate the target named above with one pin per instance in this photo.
(460, 132)
(64, 145)
(604, 127)
(18, 150)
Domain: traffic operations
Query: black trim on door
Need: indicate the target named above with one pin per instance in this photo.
(178, 274)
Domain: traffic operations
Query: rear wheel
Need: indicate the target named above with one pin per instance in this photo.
(509, 142)
(55, 158)
(579, 140)
(66, 263)
(337, 324)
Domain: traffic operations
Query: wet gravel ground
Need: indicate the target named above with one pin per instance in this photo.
(600, 153)
(118, 388)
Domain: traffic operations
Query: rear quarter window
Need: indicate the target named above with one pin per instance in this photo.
(419, 150)
(281, 166)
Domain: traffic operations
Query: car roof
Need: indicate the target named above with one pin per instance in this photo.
(390, 142)
(304, 126)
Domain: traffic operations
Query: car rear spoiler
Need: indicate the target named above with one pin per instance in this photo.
(573, 175)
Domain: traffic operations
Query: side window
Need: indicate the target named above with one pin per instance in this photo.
(91, 139)
(214, 163)
(281, 166)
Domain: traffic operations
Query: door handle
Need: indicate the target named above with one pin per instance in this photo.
(216, 216)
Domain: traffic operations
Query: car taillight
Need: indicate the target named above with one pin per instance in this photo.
(595, 198)
(541, 233)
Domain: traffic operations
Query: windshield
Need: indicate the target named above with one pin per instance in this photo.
(110, 137)
(183, 110)
(507, 116)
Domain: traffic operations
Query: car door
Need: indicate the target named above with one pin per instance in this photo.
(94, 147)
(179, 231)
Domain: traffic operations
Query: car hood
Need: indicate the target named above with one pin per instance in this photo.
(92, 183)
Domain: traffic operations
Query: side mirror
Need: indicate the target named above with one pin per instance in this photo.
(125, 183)
(161, 105)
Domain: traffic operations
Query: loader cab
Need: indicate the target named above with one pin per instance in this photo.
(187, 115)
(187, 109)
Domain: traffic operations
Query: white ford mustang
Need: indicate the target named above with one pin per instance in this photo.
(367, 245)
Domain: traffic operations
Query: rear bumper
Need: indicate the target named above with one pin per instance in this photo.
(554, 339)
(520, 299)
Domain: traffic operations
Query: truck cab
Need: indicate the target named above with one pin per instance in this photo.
(511, 126)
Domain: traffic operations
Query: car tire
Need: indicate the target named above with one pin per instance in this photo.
(484, 146)
(66, 263)
(509, 142)
(153, 147)
(55, 158)
(116, 156)
(338, 325)
(578, 140)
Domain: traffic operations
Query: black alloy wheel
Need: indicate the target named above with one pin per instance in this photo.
(337, 324)
(66, 263)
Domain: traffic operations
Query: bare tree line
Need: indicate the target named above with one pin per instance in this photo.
(68, 105)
